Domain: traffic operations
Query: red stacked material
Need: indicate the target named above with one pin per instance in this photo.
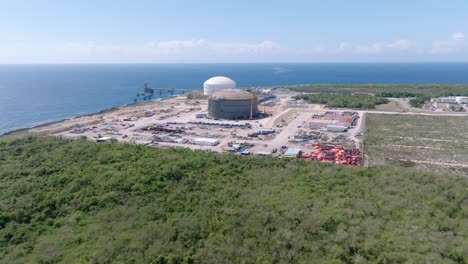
(335, 155)
(338, 117)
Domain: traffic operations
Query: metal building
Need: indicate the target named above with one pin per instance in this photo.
(293, 153)
(336, 128)
(233, 104)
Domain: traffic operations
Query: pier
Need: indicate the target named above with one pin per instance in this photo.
(148, 92)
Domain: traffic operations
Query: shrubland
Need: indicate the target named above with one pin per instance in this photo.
(386, 90)
(419, 93)
(434, 143)
(74, 201)
(343, 100)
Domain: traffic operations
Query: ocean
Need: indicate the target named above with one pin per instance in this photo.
(36, 94)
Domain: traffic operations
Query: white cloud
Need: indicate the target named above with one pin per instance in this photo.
(266, 46)
(373, 48)
(176, 44)
(453, 44)
(344, 46)
(171, 50)
(204, 50)
(402, 44)
(317, 50)
(458, 36)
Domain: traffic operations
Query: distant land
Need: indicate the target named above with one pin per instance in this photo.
(36, 94)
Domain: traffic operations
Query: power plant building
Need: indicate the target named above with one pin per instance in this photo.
(217, 84)
(232, 104)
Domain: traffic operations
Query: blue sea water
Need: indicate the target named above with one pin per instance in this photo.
(34, 94)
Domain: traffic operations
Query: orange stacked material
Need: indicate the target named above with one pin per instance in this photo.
(335, 155)
(308, 156)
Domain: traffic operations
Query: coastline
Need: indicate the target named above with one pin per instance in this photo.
(364, 87)
(18, 131)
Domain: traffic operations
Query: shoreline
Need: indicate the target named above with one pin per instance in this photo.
(104, 111)
(295, 87)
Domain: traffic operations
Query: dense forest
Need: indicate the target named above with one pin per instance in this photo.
(66, 201)
(344, 100)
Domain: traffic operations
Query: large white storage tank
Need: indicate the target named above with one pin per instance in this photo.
(217, 84)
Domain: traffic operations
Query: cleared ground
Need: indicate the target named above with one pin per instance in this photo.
(436, 143)
(173, 120)
(395, 105)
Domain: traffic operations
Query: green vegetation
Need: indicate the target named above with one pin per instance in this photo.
(80, 202)
(419, 100)
(397, 94)
(344, 100)
(421, 92)
(386, 90)
(435, 143)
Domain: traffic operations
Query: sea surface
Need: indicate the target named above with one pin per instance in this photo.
(36, 94)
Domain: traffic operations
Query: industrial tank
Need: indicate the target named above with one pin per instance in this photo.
(217, 84)
(232, 104)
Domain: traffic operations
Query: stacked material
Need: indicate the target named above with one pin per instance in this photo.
(335, 155)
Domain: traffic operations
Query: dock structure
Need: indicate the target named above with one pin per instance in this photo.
(148, 92)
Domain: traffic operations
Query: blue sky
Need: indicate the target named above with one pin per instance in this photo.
(144, 31)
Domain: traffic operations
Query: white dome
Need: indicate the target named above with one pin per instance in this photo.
(216, 84)
(220, 80)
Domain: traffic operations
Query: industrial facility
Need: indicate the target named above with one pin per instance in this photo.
(451, 103)
(232, 104)
(453, 100)
(281, 130)
(217, 84)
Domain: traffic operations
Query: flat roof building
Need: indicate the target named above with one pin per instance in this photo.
(293, 153)
(205, 141)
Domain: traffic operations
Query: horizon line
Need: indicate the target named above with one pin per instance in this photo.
(274, 62)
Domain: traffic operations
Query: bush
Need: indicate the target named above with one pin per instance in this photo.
(119, 203)
(344, 100)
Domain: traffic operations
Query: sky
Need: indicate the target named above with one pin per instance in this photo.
(208, 31)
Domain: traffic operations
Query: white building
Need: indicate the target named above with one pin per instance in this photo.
(336, 128)
(205, 141)
(447, 100)
(461, 99)
(217, 84)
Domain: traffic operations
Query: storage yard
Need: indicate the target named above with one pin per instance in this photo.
(285, 132)
(435, 143)
(264, 123)
(272, 123)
